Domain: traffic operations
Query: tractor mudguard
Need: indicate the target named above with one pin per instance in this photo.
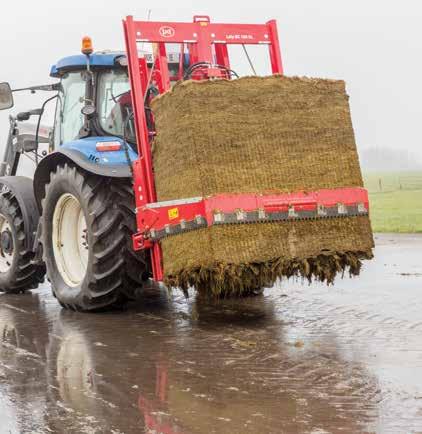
(22, 188)
(83, 153)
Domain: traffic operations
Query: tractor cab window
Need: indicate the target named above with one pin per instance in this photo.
(114, 104)
(69, 119)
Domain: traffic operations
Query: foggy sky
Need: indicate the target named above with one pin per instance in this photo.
(375, 46)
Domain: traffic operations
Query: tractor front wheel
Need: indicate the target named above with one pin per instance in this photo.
(87, 226)
(17, 270)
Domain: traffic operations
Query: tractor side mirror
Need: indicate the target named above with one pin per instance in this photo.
(6, 96)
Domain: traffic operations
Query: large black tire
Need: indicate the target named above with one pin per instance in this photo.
(114, 271)
(17, 272)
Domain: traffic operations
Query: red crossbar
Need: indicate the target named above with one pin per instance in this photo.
(172, 217)
(202, 35)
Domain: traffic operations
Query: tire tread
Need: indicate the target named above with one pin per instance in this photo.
(27, 275)
(110, 281)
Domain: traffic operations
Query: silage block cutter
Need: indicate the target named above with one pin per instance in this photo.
(90, 215)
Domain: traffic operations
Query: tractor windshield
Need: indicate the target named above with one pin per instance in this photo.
(114, 104)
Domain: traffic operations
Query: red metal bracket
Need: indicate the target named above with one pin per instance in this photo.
(169, 218)
(205, 42)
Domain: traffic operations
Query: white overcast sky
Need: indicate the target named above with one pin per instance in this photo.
(374, 45)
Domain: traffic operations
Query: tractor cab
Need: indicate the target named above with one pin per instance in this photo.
(94, 97)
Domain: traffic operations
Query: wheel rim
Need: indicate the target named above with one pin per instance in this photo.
(6, 245)
(70, 240)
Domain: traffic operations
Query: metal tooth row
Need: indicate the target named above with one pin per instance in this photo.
(274, 219)
(243, 217)
(183, 226)
(260, 215)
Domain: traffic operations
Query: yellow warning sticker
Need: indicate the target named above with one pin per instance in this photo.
(173, 213)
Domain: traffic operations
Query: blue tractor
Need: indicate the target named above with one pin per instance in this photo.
(75, 219)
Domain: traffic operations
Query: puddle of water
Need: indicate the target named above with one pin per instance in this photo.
(301, 358)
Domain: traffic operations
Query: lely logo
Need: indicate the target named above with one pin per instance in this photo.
(166, 31)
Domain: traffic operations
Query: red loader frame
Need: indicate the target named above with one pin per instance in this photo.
(206, 44)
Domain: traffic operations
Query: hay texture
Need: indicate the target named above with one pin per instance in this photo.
(254, 134)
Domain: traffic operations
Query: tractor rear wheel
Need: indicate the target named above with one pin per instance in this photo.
(17, 272)
(87, 226)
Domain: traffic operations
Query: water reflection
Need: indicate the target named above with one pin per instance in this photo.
(174, 366)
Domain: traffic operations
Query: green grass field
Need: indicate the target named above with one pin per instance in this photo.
(395, 201)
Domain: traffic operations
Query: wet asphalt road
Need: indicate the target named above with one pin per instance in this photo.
(299, 359)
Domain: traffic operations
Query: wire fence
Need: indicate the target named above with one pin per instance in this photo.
(393, 181)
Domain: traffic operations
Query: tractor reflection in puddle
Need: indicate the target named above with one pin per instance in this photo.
(176, 366)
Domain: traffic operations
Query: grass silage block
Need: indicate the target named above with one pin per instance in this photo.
(258, 135)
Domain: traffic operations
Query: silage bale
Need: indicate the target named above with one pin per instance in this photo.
(258, 135)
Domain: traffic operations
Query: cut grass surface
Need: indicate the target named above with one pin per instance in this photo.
(395, 201)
